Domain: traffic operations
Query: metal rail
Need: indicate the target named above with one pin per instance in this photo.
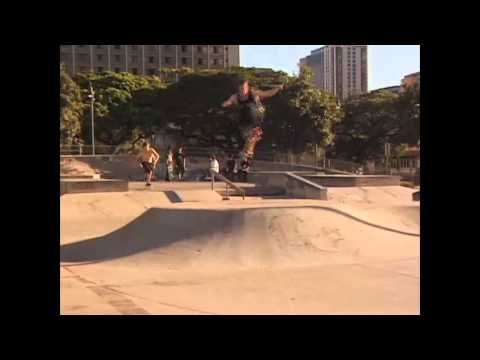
(227, 183)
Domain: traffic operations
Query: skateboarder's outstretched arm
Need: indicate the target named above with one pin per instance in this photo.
(231, 101)
(268, 93)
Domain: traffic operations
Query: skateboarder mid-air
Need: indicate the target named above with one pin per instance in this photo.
(148, 159)
(252, 113)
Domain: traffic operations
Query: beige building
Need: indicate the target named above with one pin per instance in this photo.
(410, 80)
(147, 59)
(394, 89)
(340, 69)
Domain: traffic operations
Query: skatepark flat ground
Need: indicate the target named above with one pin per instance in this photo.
(141, 253)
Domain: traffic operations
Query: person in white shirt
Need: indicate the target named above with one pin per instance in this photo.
(169, 166)
(214, 165)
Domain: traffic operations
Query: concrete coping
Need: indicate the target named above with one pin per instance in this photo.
(80, 177)
(81, 180)
(305, 181)
(349, 176)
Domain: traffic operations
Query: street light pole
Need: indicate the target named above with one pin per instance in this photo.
(92, 100)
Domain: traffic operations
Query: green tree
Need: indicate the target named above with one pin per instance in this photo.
(124, 105)
(71, 108)
(300, 115)
(409, 109)
(128, 107)
(370, 121)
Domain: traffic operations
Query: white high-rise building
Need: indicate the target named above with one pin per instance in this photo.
(340, 69)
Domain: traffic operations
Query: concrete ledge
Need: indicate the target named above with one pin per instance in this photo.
(197, 195)
(92, 176)
(72, 186)
(416, 196)
(260, 165)
(300, 187)
(293, 184)
(354, 180)
(255, 191)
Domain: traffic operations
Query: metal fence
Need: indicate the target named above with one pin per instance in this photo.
(309, 158)
(313, 159)
(87, 150)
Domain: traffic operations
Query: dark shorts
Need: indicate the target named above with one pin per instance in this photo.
(148, 167)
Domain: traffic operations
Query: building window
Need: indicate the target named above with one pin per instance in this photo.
(100, 69)
(151, 59)
(200, 49)
(117, 47)
(215, 50)
(117, 69)
(99, 46)
(151, 71)
(134, 71)
(184, 48)
(82, 57)
(82, 46)
(200, 61)
(215, 61)
(168, 60)
(151, 47)
(134, 47)
(99, 57)
(184, 61)
(116, 58)
(133, 59)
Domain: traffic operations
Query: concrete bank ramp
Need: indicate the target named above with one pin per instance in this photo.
(246, 238)
(197, 195)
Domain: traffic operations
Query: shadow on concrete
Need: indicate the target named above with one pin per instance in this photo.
(172, 196)
(154, 229)
(157, 228)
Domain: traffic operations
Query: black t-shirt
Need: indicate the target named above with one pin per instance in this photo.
(179, 159)
(251, 110)
(230, 164)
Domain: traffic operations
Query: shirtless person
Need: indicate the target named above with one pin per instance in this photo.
(252, 113)
(148, 159)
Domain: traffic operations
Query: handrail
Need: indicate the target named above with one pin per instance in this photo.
(227, 182)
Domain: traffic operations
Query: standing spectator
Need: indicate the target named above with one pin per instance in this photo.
(214, 165)
(148, 159)
(236, 169)
(370, 166)
(230, 167)
(214, 168)
(180, 163)
(169, 166)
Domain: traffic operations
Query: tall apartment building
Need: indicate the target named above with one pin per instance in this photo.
(147, 59)
(340, 69)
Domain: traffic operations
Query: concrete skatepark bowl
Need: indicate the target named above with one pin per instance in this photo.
(301, 242)
(138, 252)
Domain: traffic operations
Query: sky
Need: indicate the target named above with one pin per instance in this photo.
(388, 64)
